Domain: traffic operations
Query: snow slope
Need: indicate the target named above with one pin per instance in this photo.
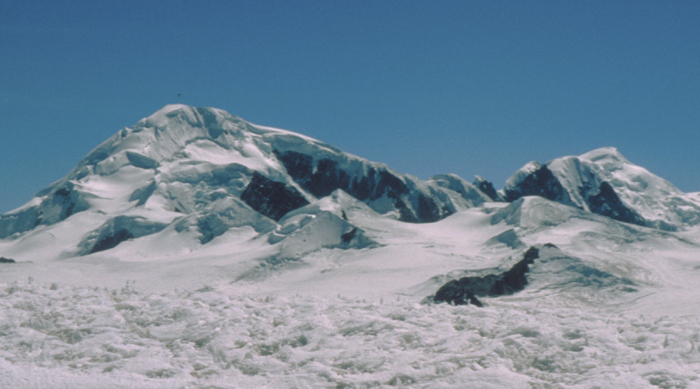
(196, 250)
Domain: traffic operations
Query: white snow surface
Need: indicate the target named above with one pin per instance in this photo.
(290, 304)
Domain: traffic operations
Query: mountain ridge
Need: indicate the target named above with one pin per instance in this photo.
(203, 171)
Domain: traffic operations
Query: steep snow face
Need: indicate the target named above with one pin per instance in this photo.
(604, 182)
(206, 171)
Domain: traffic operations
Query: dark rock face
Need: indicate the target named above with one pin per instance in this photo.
(608, 203)
(7, 260)
(465, 290)
(111, 241)
(487, 188)
(327, 176)
(347, 237)
(117, 230)
(271, 198)
(142, 194)
(428, 211)
(454, 293)
(541, 183)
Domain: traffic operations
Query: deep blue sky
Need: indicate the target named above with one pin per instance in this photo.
(428, 87)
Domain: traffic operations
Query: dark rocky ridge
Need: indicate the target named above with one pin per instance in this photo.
(272, 198)
(466, 290)
(111, 241)
(347, 237)
(541, 183)
(116, 231)
(326, 176)
(487, 188)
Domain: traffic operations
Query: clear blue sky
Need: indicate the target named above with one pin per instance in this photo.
(428, 87)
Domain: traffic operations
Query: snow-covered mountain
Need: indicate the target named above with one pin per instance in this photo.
(202, 171)
(604, 182)
(258, 257)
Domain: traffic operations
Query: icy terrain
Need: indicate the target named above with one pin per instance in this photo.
(92, 337)
(196, 250)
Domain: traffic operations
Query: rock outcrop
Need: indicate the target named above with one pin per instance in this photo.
(467, 290)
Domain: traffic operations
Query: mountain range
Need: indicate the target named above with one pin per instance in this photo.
(196, 173)
(258, 257)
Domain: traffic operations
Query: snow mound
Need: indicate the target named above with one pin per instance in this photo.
(535, 212)
(322, 224)
(306, 233)
(557, 270)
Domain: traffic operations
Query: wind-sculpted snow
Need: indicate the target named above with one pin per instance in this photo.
(55, 337)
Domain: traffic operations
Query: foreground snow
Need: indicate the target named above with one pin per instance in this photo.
(59, 337)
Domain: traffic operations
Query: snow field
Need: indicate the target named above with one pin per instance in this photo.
(53, 336)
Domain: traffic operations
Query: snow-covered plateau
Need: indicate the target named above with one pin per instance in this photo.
(197, 250)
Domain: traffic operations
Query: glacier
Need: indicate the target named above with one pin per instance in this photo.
(197, 250)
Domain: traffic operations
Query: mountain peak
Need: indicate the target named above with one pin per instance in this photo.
(603, 155)
(194, 116)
